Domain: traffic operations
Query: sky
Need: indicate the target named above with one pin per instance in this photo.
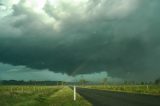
(74, 39)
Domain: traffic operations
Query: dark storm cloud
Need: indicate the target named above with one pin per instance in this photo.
(120, 43)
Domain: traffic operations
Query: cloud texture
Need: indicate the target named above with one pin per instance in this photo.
(82, 36)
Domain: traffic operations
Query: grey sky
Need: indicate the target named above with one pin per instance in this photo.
(76, 37)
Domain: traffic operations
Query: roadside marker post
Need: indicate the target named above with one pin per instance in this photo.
(147, 87)
(74, 89)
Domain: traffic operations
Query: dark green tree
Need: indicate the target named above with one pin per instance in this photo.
(157, 81)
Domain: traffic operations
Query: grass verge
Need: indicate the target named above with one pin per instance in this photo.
(64, 97)
(137, 89)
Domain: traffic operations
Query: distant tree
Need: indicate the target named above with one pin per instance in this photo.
(157, 81)
(150, 82)
(126, 82)
(142, 83)
(82, 81)
(105, 81)
(133, 82)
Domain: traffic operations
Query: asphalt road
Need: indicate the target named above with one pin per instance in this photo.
(107, 98)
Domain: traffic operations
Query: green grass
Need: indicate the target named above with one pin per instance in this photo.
(139, 89)
(64, 97)
(25, 95)
(39, 96)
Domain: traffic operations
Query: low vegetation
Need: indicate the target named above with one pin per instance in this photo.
(39, 96)
(64, 97)
(140, 89)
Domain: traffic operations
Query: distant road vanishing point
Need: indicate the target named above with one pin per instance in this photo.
(109, 98)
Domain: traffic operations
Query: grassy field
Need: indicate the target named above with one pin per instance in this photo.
(39, 96)
(140, 89)
(61, 95)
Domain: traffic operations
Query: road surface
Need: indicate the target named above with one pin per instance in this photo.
(108, 98)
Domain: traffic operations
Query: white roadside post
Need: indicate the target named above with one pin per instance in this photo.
(74, 92)
(147, 87)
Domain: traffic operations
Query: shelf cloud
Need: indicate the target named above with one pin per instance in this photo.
(76, 37)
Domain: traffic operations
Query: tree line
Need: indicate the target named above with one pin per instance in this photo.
(80, 82)
(22, 82)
